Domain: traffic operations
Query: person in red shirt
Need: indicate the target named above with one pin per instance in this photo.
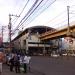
(1, 61)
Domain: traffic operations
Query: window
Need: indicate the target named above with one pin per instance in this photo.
(24, 42)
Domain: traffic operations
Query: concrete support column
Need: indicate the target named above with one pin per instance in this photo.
(26, 46)
(44, 50)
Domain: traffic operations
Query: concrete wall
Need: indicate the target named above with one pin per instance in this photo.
(68, 45)
(19, 43)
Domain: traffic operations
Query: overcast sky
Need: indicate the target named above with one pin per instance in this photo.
(54, 16)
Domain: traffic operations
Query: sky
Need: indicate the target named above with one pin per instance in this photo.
(55, 15)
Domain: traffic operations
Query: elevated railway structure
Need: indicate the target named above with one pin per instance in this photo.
(58, 33)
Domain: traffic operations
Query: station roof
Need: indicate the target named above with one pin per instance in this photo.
(34, 29)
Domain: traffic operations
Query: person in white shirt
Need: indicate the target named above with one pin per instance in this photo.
(25, 63)
(28, 62)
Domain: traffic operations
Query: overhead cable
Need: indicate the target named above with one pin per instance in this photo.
(27, 13)
(21, 11)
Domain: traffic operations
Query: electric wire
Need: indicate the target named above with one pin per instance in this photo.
(31, 12)
(55, 17)
(27, 14)
(63, 22)
(21, 11)
(35, 10)
(42, 6)
(22, 23)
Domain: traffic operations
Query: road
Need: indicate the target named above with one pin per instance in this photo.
(41, 65)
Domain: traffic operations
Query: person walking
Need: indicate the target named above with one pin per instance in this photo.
(17, 63)
(25, 63)
(11, 64)
(28, 62)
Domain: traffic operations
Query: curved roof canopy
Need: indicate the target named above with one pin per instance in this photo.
(34, 29)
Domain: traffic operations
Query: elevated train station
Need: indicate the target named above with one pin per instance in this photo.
(44, 40)
(28, 41)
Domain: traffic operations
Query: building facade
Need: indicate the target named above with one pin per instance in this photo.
(30, 42)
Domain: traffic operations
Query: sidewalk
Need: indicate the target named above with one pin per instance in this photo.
(6, 71)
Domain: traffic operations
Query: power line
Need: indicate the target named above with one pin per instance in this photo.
(24, 7)
(42, 9)
(55, 17)
(31, 12)
(36, 8)
(22, 11)
(63, 22)
(27, 14)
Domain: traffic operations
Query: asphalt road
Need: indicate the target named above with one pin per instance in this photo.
(41, 65)
(54, 66)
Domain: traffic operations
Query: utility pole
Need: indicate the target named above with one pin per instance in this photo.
(2, 35)
(68, 31)
(69, 34)
(9, 27)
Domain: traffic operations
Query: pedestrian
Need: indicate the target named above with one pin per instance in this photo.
(25, 63)
(28, 62)
(1, 61)
(17, 63)
(11, 63)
